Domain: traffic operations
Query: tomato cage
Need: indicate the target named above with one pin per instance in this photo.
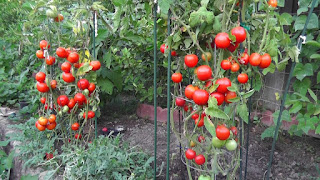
(217, 156)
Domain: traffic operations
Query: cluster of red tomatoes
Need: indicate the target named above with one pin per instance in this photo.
(224, 137)
(46, 123)
(192, 155)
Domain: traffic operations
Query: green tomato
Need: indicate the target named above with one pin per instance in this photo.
(85, 92)
(203, 177)
(65, 109)
(217, 142)
(231, 145)
(60, 113)
(50, 13)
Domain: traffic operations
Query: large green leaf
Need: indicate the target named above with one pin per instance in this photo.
(301, 20)
(302, 86)
(301, 71)
(295, 107)
(218, 113)
(313, 95)
(165, 5)
(242, 111)
(210, 126)
(285, 19)
(269, 132)
(105, 85)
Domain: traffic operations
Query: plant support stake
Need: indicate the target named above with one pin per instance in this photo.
(155, 86)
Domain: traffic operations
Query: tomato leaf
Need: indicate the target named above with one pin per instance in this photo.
(233, 87)
(212, 102)
(242, 111)
(213, 88)
(215, 112)
(106, 85)
(270, 69)
(318, 129)
(301, 71)
(165, 5)
(4, 143)
(210, 126)
(285, 19)
(248, 94)
(313, 95)
(236, 99)
(84, 69)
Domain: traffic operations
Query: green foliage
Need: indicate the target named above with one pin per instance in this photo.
(6, 161)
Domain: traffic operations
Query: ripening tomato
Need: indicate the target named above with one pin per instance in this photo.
(163, 47)
(200, 159)
(222, 40)
(68, 77)
(224, 83)
(53, 84)
(273, 3)
(40, 76)
(66, 67)
(243, 78)
(201, 122)
(190, 154)
(83, 84)
(95, 65)
(201, 139)
(43, 100)
(180, 102)
(40, 127)
(233, 47)
(73, 57)
(209, 56)
(204, 72)
(225, 64)
(219, 97)
(77, 136)
(52, 118)
(191, 60)
(255, 59)
(63, 100)
(80, 98)
(50, 60)
(200, 97)
(61, 52)
(265, 61)
(189, 91)
(244, 59)
(230, 95)
(176, 77)
(44, 44)
(51, 126)
(71, 103)
(91, 115)
(222, 132)
(59, 18)
(208, 84)
(235, 67)
(40, 54)
(240, 34)
(195, 116)
(43, 121)
(173, 53)
(42, 87)
(91, 87)
(192, 144)
(75, 126)
(234, 130)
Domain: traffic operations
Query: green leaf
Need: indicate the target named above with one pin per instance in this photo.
(315, 56)
(4, 143)
(270, 69)
(209, 126)
(301, 20)
(84, 69)
(313, 43)
(256, 82)
(318, 129)
(233, 87)
(294, 53)
(105, 85)
(165, 5)
(187, 42)
(119, 3)
(301, 71)
(269, 132)
(116, 78)
(213, 88)
(215, 112)
(29, 177)
(317, 111)
(295, 107)
(204, 3)
(242, 111)
(301, 10)
(248, 94)
(176, 37)
(285, 19)
(236, 99)
(313, 95)
(302, 86)
(281, 3)
(212, 102)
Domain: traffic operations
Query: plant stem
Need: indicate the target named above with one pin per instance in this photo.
(265, 31)
(229, 15)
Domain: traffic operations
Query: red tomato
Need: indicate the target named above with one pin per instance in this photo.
(230, 95)
(66, 67)
(50, 60)
(53, 84)
(200, 97)
(186, 108)
(189, 91)
(43, 121)
(201, 122)
(208, 84)
(255, 59)
(40, 127)
(163, 47)
(63, 100)
(239, 33)
(201, 139)
(40, 76)
(224, 83)
(244, 59)
(225, 64)
(83, 84)
(243, 78)
(59, 18)
(195, 116)
(71, 103)
(219, 97)
(234, 130)
(222, 40)
(40, 54)
(51, 126)
(73, 57)
(273, 3)
(68, 77)
(173, 53)
(180, 102)
(233, 47)
(44, 44)
(191, 60)
(91, 87)
(52, 118)
(76, 65)
(222, 132)
(49, 156)
(204, 72)
(42, 87)
(91, 115)
(265, 61)
(77, 136)
(61, 52)
(200, 159)
(176, 77)
(75, 126)
(190, 154)
(80, 98)
(43, 100)
(235, 67)
(95, 65)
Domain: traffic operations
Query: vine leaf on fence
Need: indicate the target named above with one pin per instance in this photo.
(165, 5)
(295, 107)
(301, 71)
(215, 112)
(313, 95)
(269, 132)
(210, 126)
